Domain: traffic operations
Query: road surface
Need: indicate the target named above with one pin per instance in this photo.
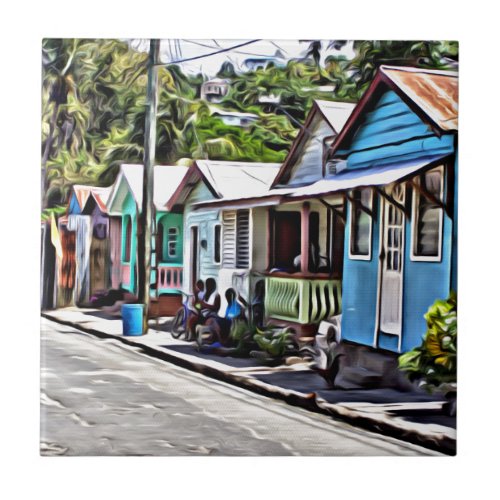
(101, 397)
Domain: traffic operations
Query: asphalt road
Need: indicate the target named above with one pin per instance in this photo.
(101, 397)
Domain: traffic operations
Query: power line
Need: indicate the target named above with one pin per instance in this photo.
(210, 54)
(195, 42)
(278, 47)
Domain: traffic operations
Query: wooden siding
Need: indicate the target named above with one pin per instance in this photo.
(392, 133)
(308, 166)
(207, 268)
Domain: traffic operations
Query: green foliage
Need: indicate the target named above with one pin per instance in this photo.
(58, 210)
(436, 359)
(275, 342)
(370, 54)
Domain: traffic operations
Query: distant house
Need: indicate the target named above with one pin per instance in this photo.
(126, 201)
(261, 62)
(84, 232)
(234, 118)
(215, 90)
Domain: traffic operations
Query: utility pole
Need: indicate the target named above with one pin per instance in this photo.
(147, 209)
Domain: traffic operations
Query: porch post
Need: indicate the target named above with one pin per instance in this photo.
(270, 238)
(304, 237)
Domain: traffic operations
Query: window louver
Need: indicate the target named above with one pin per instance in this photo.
(236, 239)
(229, 239)
(242, 239)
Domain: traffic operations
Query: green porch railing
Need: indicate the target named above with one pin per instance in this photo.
(302, 300)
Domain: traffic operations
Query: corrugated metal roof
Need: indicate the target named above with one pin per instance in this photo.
(101, 196)
(166, 180)
(347, 180)
(364, 177)
(227, 179)
(336, 113)
(237, 179)
(435, 92)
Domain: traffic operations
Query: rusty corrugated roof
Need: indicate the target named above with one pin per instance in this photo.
(101, 196)
(435, 92)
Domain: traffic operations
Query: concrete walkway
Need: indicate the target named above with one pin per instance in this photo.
(412, 416)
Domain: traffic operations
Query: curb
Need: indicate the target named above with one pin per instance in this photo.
(310, 401)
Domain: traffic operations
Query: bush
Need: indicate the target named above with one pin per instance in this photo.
(276, 342)
(435, 361)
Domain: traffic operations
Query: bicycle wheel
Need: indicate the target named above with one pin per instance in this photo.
(179, 323)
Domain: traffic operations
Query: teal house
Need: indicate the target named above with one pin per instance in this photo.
(125, 201)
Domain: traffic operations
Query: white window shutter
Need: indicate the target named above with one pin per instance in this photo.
(229, 239)
(243, 239)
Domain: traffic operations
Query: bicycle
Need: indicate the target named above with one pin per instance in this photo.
(179, 323)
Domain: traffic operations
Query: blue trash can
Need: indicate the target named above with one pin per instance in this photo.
(132, 319)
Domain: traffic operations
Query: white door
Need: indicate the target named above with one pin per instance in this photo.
(391, 285)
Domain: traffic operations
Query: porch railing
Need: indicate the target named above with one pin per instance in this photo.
(169, 277)
(302, 300)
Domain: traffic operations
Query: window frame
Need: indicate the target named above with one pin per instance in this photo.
(217, 242)
(414, 219)
(169, 242)
(355, 256)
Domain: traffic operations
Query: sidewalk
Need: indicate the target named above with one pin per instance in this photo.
(411, 416)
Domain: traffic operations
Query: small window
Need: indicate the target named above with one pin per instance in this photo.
(361, 224)
(217, 243)
(173, 238)
(427, 216)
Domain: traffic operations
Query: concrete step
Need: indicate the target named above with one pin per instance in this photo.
(357, 377)
(377, 362)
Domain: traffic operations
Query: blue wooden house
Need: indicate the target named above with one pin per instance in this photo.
(398, 152)
(125, 201)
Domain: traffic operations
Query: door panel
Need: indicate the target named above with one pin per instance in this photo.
(391, 286)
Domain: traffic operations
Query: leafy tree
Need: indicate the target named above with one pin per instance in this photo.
(370, 54)
(226, 70)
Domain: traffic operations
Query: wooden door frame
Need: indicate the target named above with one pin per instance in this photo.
(194, 236)
(383, 202)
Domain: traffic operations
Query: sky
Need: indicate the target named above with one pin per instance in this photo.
(173, 50)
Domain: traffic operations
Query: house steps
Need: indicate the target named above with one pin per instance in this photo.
(362, 367)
